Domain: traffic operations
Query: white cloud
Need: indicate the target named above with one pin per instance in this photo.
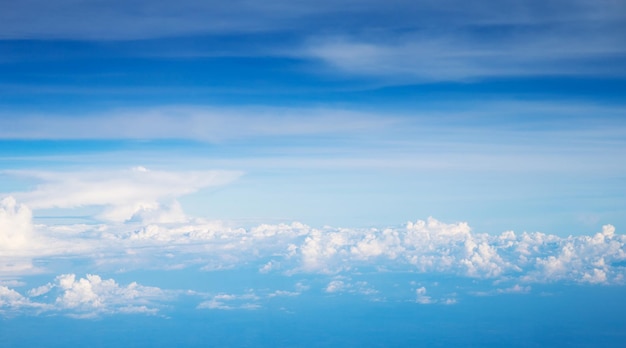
(266, 268)
(208, 124)
(16, 228)
(19, 241)
(12, 300)
(335, 286)
(93, 295)
(87, 297)
(136, 193)
(429, 246)
(40, 290)
(344, 284)
(284, 293)
(448, 39)
(447, 54)
(11, 283)
(247, 301)
(422, 298)
(514, 289)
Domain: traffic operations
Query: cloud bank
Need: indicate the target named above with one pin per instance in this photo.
(425, 246)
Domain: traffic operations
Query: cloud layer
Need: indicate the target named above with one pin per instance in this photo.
(429, 246)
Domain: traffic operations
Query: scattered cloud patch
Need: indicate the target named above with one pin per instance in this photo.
(335, 286)
(93, 295)
(422, 298)
(12, 302)
(86, 297)
(250, 300)
(247, 301)
(515, 289)
(345, 285)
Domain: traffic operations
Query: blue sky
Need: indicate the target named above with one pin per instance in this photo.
(401, 166)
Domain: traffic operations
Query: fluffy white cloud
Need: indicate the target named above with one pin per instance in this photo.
(429, 246)
(85, 297)
(18, 240)
(11, 301)
(16, 226)
(92, 295)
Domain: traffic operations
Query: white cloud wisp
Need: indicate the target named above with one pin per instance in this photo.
(137, 193)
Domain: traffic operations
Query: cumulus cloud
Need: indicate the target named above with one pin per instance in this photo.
(12, 301)
(92, 295)
(18, 239)
(429, 246)
(424, 246)
(83, 297)
(16, 226)
(136, 193)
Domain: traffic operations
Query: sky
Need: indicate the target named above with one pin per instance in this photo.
(298, 173)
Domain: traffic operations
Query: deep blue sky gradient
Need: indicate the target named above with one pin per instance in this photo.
(350, 117)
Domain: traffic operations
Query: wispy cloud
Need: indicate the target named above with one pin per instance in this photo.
(212, 124)
(491, 136)
(427, 40)
(125, 194)
(452, 56)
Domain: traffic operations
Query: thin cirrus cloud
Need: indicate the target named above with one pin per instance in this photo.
(212, 124)
(402, 40)
(451, 57)
(143, 19)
